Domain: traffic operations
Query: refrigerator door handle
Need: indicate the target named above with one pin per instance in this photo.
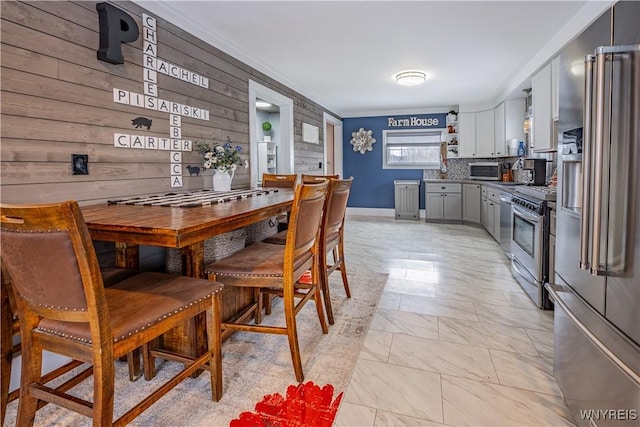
(586, 165)
(615, 231)
(598, 160)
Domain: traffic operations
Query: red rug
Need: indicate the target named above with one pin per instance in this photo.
(305, 405)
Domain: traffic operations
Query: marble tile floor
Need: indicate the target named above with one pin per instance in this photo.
(455, 341)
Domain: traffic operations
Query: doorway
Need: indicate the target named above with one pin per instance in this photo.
(333, 145)
(280, 116)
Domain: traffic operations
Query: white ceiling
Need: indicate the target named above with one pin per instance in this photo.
(342, 54)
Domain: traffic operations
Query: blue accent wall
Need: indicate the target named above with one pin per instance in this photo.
(372, 185)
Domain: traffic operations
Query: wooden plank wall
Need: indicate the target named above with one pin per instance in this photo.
(57, 100)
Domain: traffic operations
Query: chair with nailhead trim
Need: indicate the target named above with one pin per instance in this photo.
(11, 328)
(64, 308)
(331, 239)
(276, 269)
(271, 180)
(314, 179)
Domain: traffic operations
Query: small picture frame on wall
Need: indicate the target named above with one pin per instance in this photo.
(310, 133)
(80, 164)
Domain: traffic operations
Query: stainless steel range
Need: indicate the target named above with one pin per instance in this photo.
(542, 192)
(530, 241)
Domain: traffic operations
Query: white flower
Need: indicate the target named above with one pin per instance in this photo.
(223, 157)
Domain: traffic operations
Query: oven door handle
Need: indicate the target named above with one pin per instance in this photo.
(520, 269)
(524, 214)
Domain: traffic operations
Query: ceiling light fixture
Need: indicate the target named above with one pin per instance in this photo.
(263, 104)
(410, 78)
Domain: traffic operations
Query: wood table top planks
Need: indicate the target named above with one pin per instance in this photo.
(180, 227)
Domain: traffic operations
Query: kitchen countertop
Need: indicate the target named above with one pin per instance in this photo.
(505, 186)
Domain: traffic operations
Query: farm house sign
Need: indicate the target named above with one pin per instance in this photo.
(117, 27)
(413, 121)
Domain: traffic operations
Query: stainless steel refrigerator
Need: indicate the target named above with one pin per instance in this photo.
(597, 291)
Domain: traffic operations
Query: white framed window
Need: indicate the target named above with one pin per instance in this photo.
(411, 149)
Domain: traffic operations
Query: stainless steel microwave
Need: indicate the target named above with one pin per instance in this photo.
(486, 171)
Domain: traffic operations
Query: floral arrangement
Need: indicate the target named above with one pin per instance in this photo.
(221, 157)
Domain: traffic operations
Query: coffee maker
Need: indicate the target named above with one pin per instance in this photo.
(537, 171)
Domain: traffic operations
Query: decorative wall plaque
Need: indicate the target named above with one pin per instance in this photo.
(362, 140)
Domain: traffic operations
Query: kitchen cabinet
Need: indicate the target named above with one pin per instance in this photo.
(491, 211)
(443, 202)
(509, 117)
(485, 134)
(476, 134)
(471, 203)
(542, 127)
(555, 88)
(467, 134)
(500, 135)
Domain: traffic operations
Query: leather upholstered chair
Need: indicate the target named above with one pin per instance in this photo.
(276, 269)
(314, 179)
(331, 239)
(63, 307)
(11, 328)
(279, 180)
(281, 237)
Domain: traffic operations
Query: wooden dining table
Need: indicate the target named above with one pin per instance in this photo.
(185, 228)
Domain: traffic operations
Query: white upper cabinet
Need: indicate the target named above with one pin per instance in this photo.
(467, 134)
(476, 134)
(555, 89)
(485, 134)
(542, 128)
(499, 131)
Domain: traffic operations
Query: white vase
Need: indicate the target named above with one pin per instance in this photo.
(222, 180)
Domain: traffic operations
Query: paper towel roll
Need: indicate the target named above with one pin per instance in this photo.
(513, 146)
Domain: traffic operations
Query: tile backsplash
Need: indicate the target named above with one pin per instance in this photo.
(459, 168)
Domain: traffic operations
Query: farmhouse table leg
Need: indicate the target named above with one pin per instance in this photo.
(127, 255)
(193, 260)
(192, 334)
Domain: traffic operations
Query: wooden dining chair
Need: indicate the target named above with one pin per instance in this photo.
(64, 308)
(276, 269)
(331, 239)
(280, 181)
(314, 179)
(11, 328)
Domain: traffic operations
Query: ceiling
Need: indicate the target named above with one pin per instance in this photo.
(343, 54)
